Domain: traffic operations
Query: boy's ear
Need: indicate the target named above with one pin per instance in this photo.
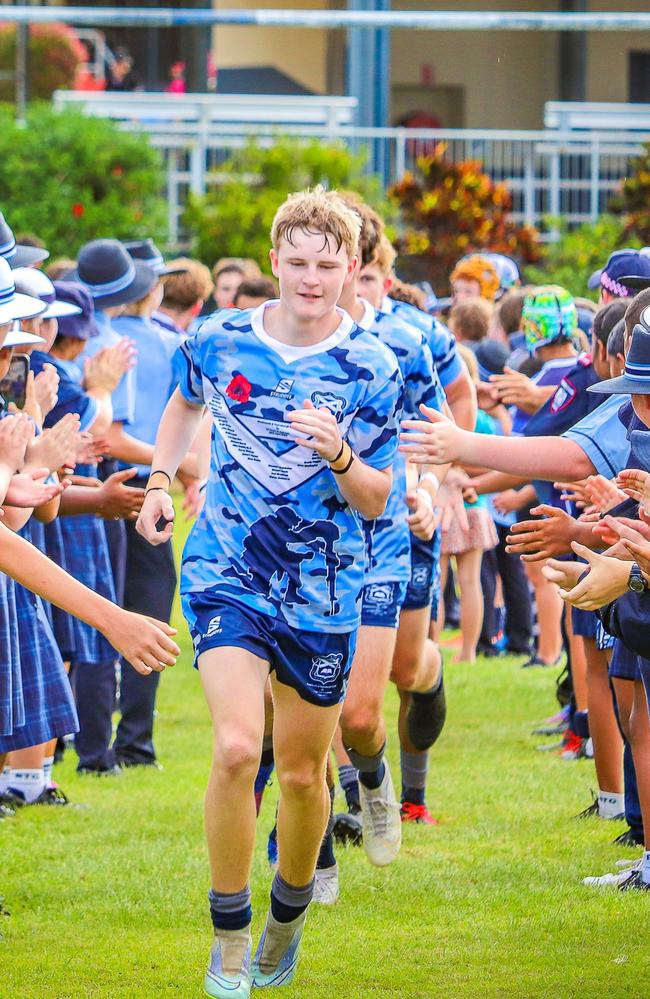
(354, 266)
(388, 283)
(273, 257)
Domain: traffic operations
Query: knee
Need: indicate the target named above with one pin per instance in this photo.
(301, 778)
(405, 672)
(360, 721)
(237, 756)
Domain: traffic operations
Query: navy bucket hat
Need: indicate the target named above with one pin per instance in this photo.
(111, 275)
(146, 251)
(636, 378)
(15, 254)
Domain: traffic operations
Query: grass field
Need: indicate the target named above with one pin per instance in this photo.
(108, 898)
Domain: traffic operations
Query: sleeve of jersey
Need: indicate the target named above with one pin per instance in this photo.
(445, 356)
(424, 383)
(373, 433)
(603, 440)
(188, 371)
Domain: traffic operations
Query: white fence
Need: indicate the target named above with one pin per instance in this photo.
(568, 175)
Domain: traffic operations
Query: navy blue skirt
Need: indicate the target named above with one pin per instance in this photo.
(48, 702)
(86, 555)
(12, 706)
(62, 622)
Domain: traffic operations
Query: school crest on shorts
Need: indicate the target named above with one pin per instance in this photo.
(420, 575)
(325, 670)
(379, 594)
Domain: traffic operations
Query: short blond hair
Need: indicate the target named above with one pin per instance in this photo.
(183, 289)
(384, 255)
(317, 210)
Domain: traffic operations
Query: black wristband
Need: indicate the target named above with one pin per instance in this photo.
(338, 455)
(342, 471)
(153, 489)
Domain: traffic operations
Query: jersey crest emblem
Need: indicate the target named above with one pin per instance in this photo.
(328, 400)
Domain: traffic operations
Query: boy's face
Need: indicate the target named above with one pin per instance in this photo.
(226, 287)
(311, 273)
(5, 359)
(374, 285)
(465, 289)
(599, 357)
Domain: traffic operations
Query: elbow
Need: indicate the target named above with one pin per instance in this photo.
(374, 504)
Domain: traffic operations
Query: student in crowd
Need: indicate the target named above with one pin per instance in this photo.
(184, 294)
(254, 292)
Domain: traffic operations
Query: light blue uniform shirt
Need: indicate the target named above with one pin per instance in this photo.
(154, 375)
(602, 437)
(276, 533)
(123, 397)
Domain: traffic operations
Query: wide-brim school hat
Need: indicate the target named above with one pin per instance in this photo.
(636, 379)
(17, 337)
(146, 251)
(37, 284)
(12, 304)
(14, 253)
(620, 273)
(111, 275)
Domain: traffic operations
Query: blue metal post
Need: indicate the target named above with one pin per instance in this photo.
(368, 75)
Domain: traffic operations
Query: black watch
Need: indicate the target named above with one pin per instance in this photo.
(636, 580)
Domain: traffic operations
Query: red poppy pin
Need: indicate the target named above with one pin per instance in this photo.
(239, 389)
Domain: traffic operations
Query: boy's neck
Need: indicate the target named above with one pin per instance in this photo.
(283, 325)
(555, 351)
(351, 302)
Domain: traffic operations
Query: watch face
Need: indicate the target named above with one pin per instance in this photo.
(636, 582)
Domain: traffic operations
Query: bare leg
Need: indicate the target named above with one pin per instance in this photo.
(233, 682)
(471, 602)
(608, 745)
(578, 663)
(362, 718)
(302, 736)
(417, 661)
(549, 614)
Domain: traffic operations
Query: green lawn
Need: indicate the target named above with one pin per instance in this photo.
(108, 898)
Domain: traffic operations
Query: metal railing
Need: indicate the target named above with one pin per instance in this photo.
(550, 174)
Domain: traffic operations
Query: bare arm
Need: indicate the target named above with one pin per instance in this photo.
(131, 451)
(461, 396)
(142, 641)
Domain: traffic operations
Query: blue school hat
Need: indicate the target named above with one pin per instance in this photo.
(621, 273)
(81, 325)
(31, 281)
(146, 251)
(491, 357)
(14, 253)
(111, 275)
(636, 379)
(13, 305)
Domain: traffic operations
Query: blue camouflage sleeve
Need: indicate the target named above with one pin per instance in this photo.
(445, 356)
(188, 372)
(373, 434)
(422, 384)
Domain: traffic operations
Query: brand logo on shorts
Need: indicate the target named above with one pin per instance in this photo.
(380, 594)
(283, 389)
(335, 403)
(420, 575)
(214, 627)
(325, 670)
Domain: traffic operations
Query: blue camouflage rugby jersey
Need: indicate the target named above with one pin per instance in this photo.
(388, 539)
(441, 340)
(275, 532)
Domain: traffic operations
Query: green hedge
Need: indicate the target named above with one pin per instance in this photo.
(69, 178)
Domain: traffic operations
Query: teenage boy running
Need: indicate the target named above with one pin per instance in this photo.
(305, 408)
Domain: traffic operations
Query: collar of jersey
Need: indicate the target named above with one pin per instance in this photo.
(289, 352)
(369, 315)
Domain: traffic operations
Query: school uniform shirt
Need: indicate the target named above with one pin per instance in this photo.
(123, 398)
(167, 323)
(569, 404)
(440, 339)
(550, 373)
(600, 435)
(154, 376)
(275, 532)
(71, 396)
(388, 538)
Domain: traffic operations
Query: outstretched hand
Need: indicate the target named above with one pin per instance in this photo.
(434, 441)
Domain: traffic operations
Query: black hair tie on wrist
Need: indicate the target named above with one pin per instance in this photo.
(342, 471)
(332, 460)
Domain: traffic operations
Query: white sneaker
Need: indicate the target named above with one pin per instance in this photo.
(627, 867)
(382, 821)
(326, 886)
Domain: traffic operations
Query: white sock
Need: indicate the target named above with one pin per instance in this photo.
(645, 867)
(48, 763)
(4, 779)
(28, 783)
(610, 804)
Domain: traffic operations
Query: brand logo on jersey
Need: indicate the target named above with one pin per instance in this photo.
(325, 670)
(420, 575)
(380, 594)
(283, 389)
(335, 403)
(565, 393)
(214, 627)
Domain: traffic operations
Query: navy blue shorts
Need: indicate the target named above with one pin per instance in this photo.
(315, 664)
(585, 623)
(624, 664)
(604, 640)
(425, 573)
(381, 604)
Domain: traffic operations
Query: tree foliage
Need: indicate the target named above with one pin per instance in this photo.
(54, 54)
(70, 178)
